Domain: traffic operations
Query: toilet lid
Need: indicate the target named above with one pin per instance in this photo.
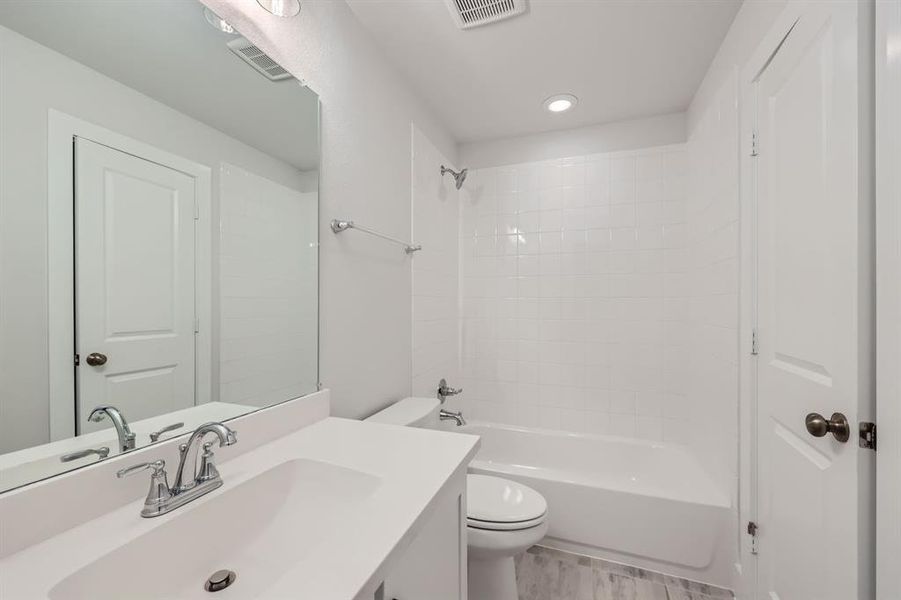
(494, 501)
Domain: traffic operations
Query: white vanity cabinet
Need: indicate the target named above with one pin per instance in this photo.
(433, 566)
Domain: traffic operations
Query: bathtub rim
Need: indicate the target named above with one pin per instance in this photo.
(719, 498)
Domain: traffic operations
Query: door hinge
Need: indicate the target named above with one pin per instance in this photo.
(196, 324)
(196, 209)
(867, 435)
(754, 144)
(755, 344)
(77, 360)
(752, 531)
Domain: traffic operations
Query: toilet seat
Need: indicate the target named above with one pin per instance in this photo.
(493, 526)
(497, 504)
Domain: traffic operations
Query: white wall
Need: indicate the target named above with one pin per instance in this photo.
(436, 208)
(35, 79)
(607, 137)
(713, 241)
(574, 298)
(366, 175)
(268, 264)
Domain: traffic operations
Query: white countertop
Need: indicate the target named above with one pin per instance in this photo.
(413, 464)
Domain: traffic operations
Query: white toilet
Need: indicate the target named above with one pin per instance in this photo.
(503, 517)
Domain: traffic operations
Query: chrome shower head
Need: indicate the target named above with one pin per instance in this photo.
(459, 178)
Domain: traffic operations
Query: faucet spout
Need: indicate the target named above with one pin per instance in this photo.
(188, 450)
(449, 415)
(126, 437)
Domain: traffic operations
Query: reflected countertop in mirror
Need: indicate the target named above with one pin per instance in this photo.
(159, 243)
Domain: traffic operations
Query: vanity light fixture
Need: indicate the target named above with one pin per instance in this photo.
(560, 103)
(218, 22)
(281, 8)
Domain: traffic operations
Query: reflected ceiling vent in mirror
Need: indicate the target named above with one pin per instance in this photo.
(473, 13)
(258, 59)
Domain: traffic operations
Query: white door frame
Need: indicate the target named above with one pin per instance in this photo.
(888, 298)
(745, 584)
(62, 129)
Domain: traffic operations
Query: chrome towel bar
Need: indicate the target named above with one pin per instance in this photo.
(338, 226)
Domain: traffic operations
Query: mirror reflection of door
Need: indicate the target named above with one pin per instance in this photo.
(134, 281)
(159, 227)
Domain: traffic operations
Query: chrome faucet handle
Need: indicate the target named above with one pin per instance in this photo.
(155, 436)
(158, 467)
(207, 470)
(444, 391)
(159, 494)
(101, 453)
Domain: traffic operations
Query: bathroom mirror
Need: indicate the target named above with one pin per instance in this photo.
(158, 229)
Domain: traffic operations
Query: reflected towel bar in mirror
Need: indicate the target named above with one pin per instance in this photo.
(338, 226)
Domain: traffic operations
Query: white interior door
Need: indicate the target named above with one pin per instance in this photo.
(134, 274)
(813, 294)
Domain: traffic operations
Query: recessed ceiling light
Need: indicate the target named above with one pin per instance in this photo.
(218, 22)
(281, 8)
(560, 103)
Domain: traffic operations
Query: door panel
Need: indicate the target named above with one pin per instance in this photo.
(808, 286)
(141, 228)
(134, 284)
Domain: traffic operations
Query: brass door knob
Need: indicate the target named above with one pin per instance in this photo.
(95, 359)
(818, 426)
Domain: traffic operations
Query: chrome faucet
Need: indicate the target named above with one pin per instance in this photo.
(444, 391)
(188, 451)
(126, 437)
(449, 415)
(161, 498)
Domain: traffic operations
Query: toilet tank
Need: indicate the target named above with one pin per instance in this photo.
(410, 412)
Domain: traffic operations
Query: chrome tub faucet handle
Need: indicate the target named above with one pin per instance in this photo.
(444, 391)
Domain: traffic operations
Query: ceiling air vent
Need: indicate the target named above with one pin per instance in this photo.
(473, 13)
(258, 59)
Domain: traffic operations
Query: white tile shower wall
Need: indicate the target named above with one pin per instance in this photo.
(268, 272)
(574, 297)
(435, 283)
(713, 241)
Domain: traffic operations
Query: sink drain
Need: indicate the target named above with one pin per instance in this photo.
(220, 580)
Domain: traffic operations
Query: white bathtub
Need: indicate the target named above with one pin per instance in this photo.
(644, 503)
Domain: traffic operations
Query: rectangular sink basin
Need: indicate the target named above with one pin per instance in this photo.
(260, 529)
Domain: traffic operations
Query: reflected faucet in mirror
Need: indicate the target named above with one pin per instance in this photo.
(161, 498)
(126, 437)
(101, 453)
